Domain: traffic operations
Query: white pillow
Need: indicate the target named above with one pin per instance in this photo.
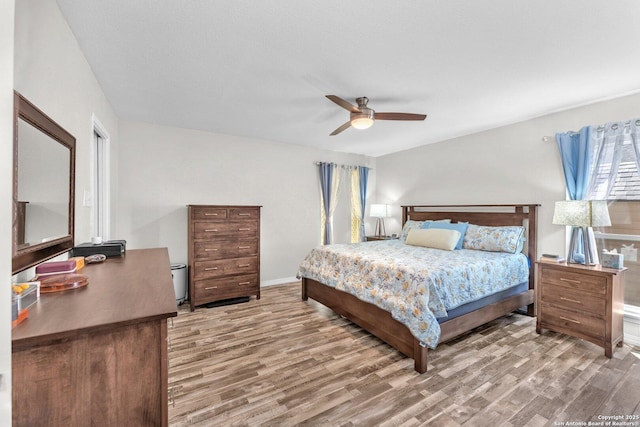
(411, 224)
(433, 238)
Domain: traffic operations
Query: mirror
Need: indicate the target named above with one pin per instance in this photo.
(43, 186)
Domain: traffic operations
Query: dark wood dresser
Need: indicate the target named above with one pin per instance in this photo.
(224, 252)
(582, 301)
(97, 355)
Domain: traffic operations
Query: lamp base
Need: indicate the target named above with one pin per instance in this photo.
(380, 231)
(582, 247)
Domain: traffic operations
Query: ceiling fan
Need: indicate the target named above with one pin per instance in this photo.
(362, 117)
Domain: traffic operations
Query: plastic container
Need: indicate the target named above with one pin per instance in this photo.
(56, 267)
(179, 275)
(29, 294)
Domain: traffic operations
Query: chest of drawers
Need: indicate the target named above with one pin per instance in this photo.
(586, 302)
(224, 252)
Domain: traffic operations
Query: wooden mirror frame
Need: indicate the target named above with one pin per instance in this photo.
(30, 255)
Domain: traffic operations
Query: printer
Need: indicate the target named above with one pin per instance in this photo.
(109, 248)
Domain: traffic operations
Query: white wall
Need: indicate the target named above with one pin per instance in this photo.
(506, 165)
(6, 201)
(51, 71)
(163, 169)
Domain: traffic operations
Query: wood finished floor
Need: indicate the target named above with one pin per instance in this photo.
(279, 361)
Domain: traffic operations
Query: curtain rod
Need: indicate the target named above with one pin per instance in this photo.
(599, 129)
(344, 166)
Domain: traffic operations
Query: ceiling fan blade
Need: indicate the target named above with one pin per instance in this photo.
(341, 128)
(344, 104)
(399, 116)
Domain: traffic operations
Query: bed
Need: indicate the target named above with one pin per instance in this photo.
(362, 304)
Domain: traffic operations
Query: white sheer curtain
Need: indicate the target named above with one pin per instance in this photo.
(329, 192)
(614, 143)
(359, 178)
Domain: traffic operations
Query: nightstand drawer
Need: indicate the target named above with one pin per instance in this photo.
(574, 280)
(565, 320)
(573, 299)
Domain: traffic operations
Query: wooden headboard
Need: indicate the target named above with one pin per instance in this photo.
(491, 215)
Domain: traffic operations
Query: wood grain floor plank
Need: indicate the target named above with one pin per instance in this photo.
(280, 361)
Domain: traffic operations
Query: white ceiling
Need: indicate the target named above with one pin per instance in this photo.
(260, 69)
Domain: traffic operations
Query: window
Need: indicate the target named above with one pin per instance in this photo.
(623, 195)
(101, 162)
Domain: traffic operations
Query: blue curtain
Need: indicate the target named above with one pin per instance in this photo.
(363, 171)
(576, 152)
(326, 182)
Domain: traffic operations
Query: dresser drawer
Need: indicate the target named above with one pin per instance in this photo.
(574, 280)
(230, 287)
(209, 213)
(207, 230)
(237, 214)
(565, 320)
(573, 299)
(206, 269)
(225, 249)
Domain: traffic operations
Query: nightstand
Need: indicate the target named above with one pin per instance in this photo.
(586, 302)
(373, 238)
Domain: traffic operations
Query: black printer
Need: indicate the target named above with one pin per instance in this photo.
(110, 248)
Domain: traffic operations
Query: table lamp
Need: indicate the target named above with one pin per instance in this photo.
(380, 212)
(582, 215)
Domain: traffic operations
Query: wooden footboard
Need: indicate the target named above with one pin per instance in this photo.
(381, 324)
(370, 317)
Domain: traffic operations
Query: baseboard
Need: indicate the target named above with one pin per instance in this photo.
(632, 325)
(281, 281)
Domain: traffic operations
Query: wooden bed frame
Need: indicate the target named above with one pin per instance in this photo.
(381, 324)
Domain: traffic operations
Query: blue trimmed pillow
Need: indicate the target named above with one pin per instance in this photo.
(507, 239)
(460, 227)
(411, 224)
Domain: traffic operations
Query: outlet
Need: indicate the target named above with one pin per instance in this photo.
(87, 200)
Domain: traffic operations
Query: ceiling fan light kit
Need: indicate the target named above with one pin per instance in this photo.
(363, 117)
(362, 120)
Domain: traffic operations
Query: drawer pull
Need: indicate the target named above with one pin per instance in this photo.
(244, 283)
(570, 320)
(211, 214)
(570, 280)
(244, 214)
(244, 265)
(211, 230)
(210, 287)
(244, 229)
(210, 268)
(571, 300)
(211, 250)
(244, 247)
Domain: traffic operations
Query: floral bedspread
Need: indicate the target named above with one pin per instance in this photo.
(415, 284)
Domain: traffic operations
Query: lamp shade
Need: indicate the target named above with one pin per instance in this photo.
(379, 211)
(582, 213)
(363, 120)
